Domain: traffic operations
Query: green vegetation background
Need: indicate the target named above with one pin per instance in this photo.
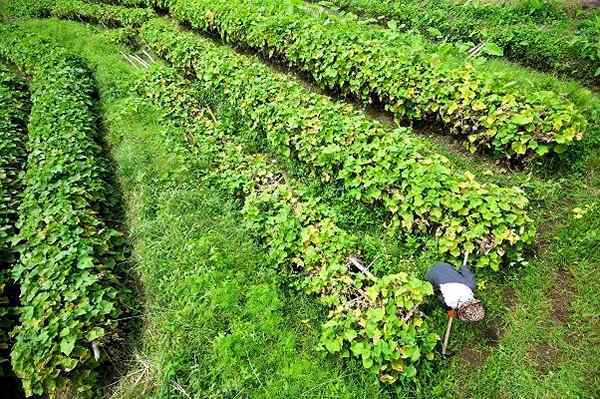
(203, 275)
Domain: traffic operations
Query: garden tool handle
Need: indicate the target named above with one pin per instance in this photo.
(451, 315)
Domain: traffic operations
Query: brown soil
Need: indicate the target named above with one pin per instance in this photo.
(493, 335)
(472, 357)
(544, 356)
(560, 297)
(590, 3)
(510, 299)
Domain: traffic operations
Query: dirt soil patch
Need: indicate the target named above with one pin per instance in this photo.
(510, 299)
(545, 357)
(489, 335)
(472, 358)
(560, 297)
(493, 335)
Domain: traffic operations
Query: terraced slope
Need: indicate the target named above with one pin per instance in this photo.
(267, 165)
(496, 111)
(414, 80)
(213, 302)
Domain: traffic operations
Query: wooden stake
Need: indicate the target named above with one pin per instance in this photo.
(446, 336)
(410, 313)
(148, 55)
(354, 260)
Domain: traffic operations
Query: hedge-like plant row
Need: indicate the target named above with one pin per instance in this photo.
(29, 8)
(125, 3)
(555, 43)
(421, 191)
(416, 80)
(109, 15)
(371, 318)
(113, 14)
(14, 111)
(68, 290)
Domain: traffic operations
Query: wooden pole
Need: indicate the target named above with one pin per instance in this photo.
(447, 335)
(354, 260)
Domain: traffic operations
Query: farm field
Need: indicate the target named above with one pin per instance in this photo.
(241, 199)
(550, 36)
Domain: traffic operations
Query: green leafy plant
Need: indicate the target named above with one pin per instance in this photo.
(109, 15)
(491, 48)
(29, 8)
(415, 80)
(68, 253)
(372, 318)
(14, 110)
(420, 190)
(533, 34)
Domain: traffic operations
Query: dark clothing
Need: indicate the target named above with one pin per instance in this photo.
(443, 273)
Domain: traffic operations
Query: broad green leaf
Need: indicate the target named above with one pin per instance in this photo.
(491, 48)
(521, 119)
(95, 333)
(67, 344)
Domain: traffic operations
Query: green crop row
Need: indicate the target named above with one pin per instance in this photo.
(68, 254)
(14, 111)
(114, 13)
(109, 15)
(370, 317)
(105, 14)
(29, 8)
(125, 3)
(555, 43)
(421, 191)
(415, 80)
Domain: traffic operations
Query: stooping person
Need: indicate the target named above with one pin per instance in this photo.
(455, 289)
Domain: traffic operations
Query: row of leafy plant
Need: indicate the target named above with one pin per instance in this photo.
(108, 15)
(29, 8)
(126, 3)
(415, 80)
(515, 117)
(416, 187)
(420, 190)
(14, 111)
(372, 318)
(68, 253)
(550, 42)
